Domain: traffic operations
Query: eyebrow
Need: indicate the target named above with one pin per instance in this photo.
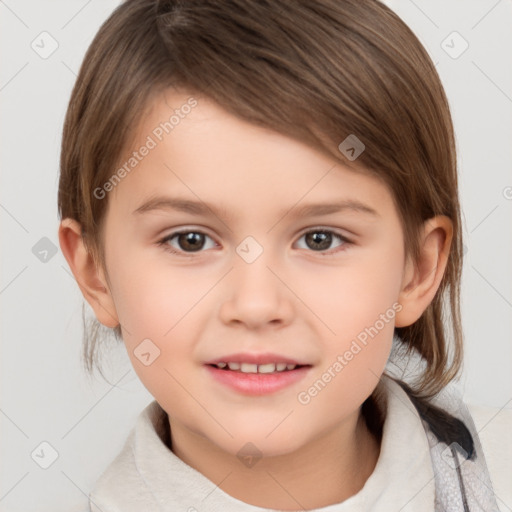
(164, 203)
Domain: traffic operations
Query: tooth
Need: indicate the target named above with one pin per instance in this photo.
(290, 366)
(234, 366)
(221, 365)
(280, 367)
(266, 368)
(249, 368)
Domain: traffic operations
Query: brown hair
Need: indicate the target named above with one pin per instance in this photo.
(315, 70)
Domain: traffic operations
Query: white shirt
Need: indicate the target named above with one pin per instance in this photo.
(147, 476)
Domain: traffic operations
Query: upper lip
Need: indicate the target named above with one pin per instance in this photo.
(254, 358)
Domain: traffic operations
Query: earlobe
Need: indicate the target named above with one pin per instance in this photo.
(421, 281)
(89, 277)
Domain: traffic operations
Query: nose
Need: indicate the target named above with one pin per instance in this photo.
(256, 295)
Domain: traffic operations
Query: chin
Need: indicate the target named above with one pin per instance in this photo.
(258, 443)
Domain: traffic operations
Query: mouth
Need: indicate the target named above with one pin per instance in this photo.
(257, 368)
(251, 378)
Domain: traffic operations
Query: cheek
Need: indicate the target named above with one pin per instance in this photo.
(152, 298)
(349, 297)
(355, 356)
(159, 304)
(358, 309)
(347, 380)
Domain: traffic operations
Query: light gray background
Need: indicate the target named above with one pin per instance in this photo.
(45, 395)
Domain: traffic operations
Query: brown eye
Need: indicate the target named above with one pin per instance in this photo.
(191, 241)
(183, 242)
(321, 240)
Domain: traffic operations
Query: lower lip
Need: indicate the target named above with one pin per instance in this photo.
(257, 383)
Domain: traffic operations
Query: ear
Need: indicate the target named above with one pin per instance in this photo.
(421, 282)
(90, 279)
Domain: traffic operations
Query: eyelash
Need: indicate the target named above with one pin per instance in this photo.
(163, 242)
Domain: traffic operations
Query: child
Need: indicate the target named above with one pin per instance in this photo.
(306, 150)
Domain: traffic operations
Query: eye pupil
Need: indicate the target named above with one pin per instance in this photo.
(192, 241)
(322, 238)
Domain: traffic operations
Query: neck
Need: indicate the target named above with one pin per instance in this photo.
(329, 470)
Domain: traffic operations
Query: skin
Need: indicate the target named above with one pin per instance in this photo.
(294, 299)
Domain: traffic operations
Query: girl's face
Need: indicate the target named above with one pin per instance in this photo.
(285, 255)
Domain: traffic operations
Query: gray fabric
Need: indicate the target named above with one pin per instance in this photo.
(463, 484)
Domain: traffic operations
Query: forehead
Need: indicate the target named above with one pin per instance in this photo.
(189, 146)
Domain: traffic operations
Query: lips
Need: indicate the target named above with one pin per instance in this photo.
(257, 374)
(257, 383)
